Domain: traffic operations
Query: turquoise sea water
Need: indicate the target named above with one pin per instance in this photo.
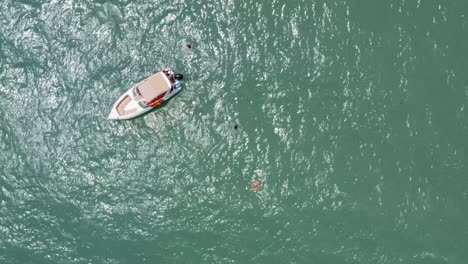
(351, 114)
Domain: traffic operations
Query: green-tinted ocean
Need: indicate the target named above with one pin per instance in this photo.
(349, 114)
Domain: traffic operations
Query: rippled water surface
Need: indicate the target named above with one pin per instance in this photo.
(350, 114)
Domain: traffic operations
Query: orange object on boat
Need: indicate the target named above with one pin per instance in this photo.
(156, 102)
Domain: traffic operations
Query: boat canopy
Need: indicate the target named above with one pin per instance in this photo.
(154, 86)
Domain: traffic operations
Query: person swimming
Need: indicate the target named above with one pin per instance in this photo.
(256, 186)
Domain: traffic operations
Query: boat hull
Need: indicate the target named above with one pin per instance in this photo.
(131, 105)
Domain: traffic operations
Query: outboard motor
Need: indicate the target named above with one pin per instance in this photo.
(178, 76)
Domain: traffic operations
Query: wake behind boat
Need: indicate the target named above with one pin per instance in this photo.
(146, 95)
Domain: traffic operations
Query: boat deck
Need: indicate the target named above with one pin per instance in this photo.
(122, 107)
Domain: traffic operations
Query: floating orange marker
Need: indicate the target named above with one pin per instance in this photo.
(256, 185)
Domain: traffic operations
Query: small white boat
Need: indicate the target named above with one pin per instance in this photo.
(146, 95)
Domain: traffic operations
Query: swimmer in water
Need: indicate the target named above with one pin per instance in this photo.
(256, 186)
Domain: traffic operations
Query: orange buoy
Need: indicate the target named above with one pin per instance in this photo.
(256, 185)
